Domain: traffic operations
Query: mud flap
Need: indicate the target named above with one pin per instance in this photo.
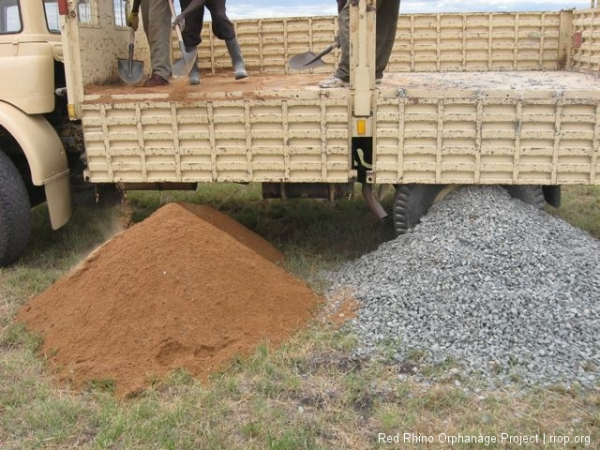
(58, 196)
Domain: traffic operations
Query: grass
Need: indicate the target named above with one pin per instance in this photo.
(309, 393)
(581, 207)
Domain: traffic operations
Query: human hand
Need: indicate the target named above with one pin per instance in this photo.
(179, 20)
(133, 20)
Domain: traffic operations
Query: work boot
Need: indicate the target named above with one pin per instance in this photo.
(333, 82)
(194, 75)
(239, 69)
(156, 80)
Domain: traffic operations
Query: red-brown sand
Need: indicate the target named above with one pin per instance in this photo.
(186, 288)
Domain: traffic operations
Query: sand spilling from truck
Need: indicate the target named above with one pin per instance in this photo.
(186, 288)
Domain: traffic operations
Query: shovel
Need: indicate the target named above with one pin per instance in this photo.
(131, 71)
(182, 66)
(309, 60)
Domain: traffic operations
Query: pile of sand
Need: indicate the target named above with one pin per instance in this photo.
(186, 288)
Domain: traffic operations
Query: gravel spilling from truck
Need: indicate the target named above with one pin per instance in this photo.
(486, 285)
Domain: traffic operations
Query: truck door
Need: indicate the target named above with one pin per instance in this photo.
(26, 59)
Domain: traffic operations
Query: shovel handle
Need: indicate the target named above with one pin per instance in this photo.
(173, 17)
(326, 51)
(322, 53)
(131, 43)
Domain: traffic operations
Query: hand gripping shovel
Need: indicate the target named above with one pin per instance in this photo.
(131, 71)
(182, 66)
(309, 60)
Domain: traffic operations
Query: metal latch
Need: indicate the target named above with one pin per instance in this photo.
(15, 43)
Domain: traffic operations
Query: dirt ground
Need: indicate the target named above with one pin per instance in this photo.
(186, 288)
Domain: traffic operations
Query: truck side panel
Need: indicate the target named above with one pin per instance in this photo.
(29, 84)
(302, 138)
(488, 137)
(476, 42)
(424, 42)
(585, 51)
(502, 133)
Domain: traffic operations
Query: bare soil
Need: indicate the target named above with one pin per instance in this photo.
(174, 291)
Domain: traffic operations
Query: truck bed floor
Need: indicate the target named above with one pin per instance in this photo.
(223, 86)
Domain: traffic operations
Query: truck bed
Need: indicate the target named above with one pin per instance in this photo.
(515, 127)
(223, 86)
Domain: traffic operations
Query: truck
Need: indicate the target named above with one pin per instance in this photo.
(510, 99)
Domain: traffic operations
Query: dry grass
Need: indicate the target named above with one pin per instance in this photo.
(309, 393)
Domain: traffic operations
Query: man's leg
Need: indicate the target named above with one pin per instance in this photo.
(156, 16)
(387, 22)
(343, 69)
(193, 26)
(224, 30)
(341, 76)
(191, 37)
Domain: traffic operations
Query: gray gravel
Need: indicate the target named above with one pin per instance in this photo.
(494, 285)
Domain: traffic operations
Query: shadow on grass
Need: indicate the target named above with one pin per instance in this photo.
(300, 228)
(89, 227)
(313, 234)
(51, 253)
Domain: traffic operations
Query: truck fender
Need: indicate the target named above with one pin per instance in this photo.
(46, 158)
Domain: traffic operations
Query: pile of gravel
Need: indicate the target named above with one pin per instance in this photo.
(495, 285)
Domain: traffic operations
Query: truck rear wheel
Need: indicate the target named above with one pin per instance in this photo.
(15, 225)
(414, 200)
(532, 195)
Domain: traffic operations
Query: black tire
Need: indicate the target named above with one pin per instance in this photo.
(532, 195)
(414, 200)
(15, 222)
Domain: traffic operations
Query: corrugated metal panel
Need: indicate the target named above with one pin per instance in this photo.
(288, 139)
(424, 42)
(513, 128)
(487, 137)
(476, 41)
(585, 55)
(267, 44)
(455, 134)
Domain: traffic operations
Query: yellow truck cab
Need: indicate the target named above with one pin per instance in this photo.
(33, 161)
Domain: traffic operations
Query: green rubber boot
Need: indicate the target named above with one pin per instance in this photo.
(194, 75)
(239, 68)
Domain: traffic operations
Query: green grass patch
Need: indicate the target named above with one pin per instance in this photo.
(581, 208)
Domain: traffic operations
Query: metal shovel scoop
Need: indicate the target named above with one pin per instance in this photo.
(182, 66)
(309, 60)
(131, 71)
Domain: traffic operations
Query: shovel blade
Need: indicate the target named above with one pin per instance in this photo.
(307, 60)
(131, 71)
(182, 66)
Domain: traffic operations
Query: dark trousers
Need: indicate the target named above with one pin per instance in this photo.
(222, 27)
